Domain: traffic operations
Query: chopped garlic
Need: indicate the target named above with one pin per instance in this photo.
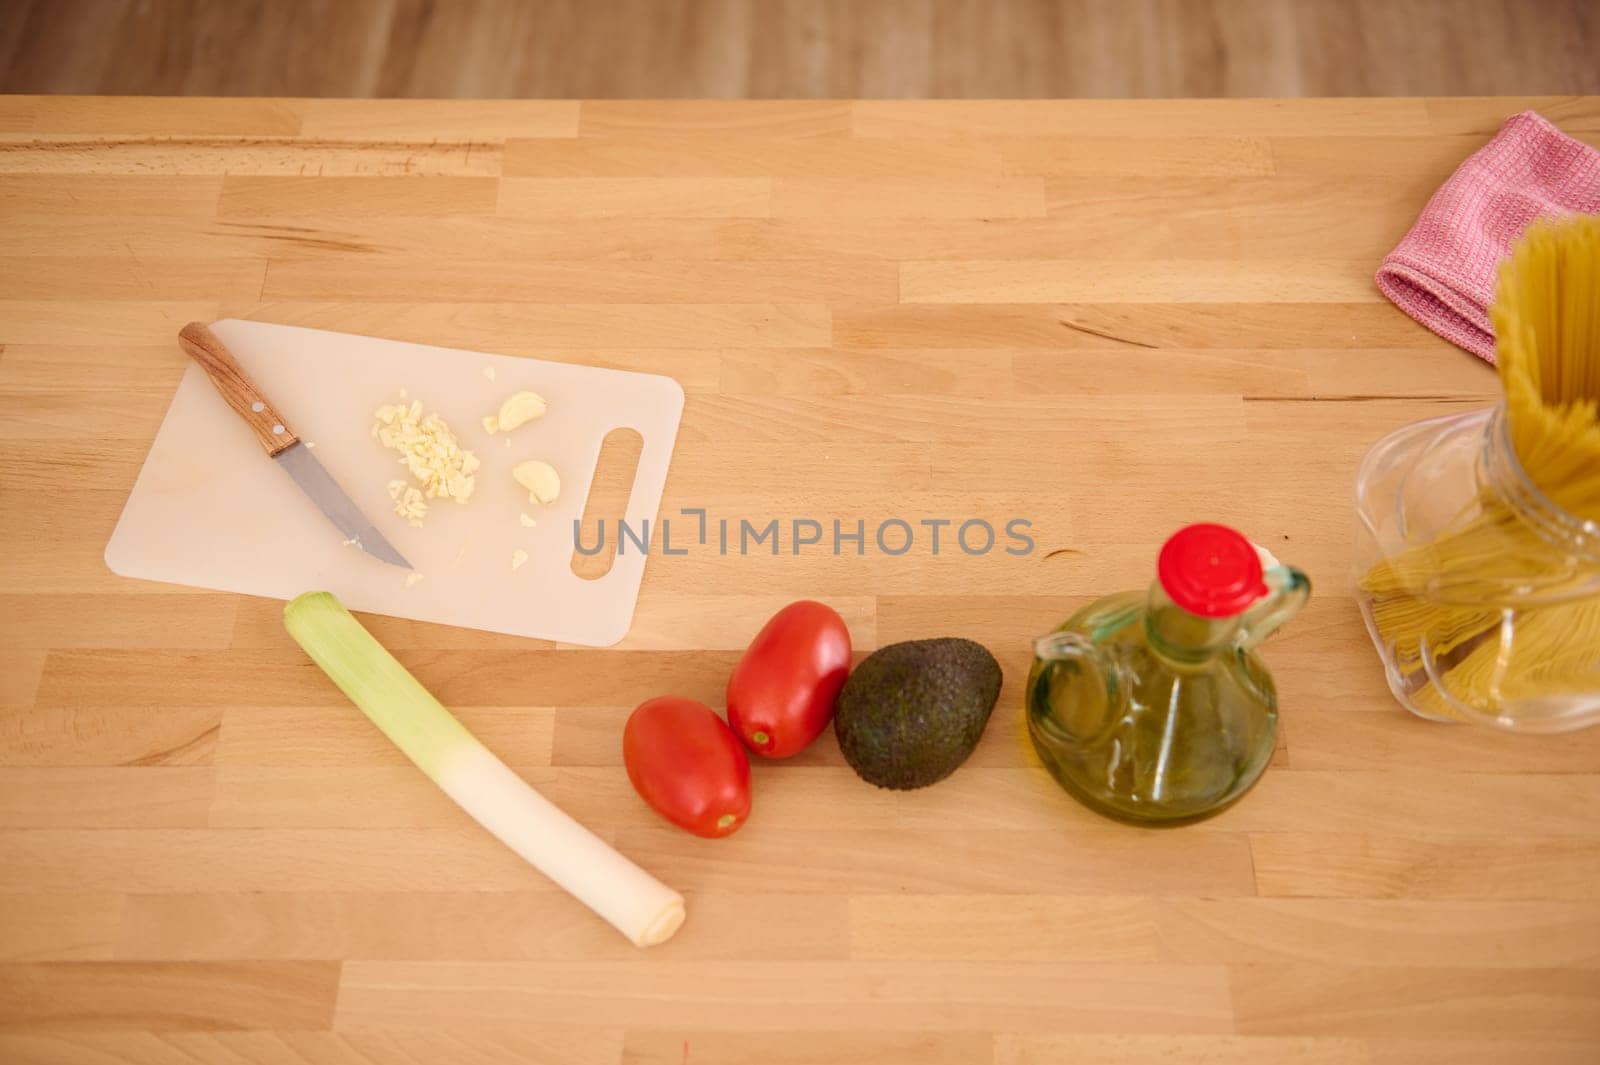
(309, 445)
(491, 424)
(527, 522)
(430, 453)
(488, 371)
(518, 557)
(413, 578)
(409, 502)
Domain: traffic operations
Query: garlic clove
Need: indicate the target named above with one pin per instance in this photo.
(520, 409)
(540, 479)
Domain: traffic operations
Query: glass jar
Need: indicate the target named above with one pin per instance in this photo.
(1481, 595)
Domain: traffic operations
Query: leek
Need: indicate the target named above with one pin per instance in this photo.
(634, 902)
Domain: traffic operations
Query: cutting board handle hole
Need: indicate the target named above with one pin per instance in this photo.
(607, 506)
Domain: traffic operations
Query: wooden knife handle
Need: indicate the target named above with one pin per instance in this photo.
(205, 348)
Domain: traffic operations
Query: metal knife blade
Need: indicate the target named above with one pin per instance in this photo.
(324, 491)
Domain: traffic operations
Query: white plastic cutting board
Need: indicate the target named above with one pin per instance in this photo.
(211, 510)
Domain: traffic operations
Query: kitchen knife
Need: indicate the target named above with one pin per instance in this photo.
(281, 443)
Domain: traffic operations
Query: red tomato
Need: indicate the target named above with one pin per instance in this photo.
(687, 765)
(782, 692)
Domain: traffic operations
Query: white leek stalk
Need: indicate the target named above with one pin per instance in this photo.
(634, 902)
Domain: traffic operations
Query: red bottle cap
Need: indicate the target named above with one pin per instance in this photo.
(1211, 570)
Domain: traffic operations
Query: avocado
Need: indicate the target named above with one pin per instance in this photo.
(912, 712)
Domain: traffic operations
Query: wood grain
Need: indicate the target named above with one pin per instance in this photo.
(998, 49)
(156, 996)
(1106, 317)
(791, 995)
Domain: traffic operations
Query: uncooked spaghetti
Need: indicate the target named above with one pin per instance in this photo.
(1459, 607)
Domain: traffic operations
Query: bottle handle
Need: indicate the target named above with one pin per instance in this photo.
(1287, 591)
(1063, 645)
(1082, 720)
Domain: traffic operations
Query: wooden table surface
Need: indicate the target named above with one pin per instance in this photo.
(1107, 318)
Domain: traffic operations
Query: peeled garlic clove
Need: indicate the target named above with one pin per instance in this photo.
(540, 479)
(520, 409)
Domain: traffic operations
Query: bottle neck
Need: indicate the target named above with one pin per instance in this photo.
(1500, 470)
(1183, 638)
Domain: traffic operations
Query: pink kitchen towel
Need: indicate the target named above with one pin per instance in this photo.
(1443, 272)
